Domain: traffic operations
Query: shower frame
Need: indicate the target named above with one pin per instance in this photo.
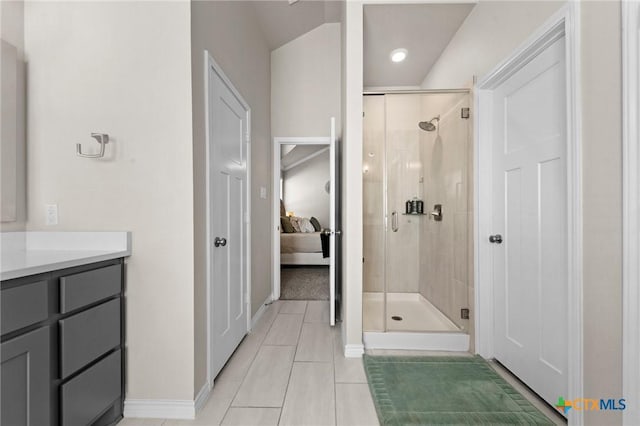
(411, 340)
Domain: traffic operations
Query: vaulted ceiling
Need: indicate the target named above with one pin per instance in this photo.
(282, 22)
(424, 30)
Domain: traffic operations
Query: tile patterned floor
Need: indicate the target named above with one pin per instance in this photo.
(289, 371)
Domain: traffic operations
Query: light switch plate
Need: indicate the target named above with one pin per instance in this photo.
(263, 192)
(51, 214)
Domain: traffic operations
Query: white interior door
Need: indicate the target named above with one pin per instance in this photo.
(530, 215)
(335, 233)
(228, 129)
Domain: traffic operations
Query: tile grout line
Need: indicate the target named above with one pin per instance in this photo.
(244, 376)
(286, 392)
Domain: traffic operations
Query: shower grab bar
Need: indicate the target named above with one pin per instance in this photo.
(394, 221)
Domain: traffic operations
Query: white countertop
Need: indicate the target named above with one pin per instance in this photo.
(29, 253)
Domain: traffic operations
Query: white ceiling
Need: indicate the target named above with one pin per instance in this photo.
(292, 154)
(281, 22)
(423, 29)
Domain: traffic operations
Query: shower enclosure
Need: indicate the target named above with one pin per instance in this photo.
(417, 201)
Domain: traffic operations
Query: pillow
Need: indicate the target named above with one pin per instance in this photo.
(285, 225)
(316, 224)
(306, 226)
(295, 222)
(283, 212)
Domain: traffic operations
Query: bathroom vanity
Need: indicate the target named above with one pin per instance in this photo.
(62, 329)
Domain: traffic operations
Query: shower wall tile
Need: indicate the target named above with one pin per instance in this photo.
(445, 265)
(460, 248)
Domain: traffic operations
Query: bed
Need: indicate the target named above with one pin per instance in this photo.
(301, 248)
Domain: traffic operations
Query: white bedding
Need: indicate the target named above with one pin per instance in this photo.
(300, 242)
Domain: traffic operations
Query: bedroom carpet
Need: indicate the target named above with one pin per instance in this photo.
(304, 283)
(445, 390)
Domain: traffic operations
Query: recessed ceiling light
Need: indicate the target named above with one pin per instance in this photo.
(398, 55)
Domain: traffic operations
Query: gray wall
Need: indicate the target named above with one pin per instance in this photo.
(229, 30)
(304, 192)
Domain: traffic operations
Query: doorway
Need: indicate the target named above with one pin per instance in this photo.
(319, 245)
(228, 217)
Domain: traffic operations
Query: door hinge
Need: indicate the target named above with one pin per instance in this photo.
(464, 113)
(464, 313)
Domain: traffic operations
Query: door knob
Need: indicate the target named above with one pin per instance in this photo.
(220, 242)
(496, 239)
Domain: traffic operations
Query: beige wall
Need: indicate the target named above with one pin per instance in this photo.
(105, 67)
(351, 150)
(492, 30)
(12, 31)
(602, 192)
(229, 30)
(305, 84)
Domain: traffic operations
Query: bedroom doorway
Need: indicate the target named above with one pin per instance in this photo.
(304, 211)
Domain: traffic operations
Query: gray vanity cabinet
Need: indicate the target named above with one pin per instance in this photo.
(25, 379)
(62, 347)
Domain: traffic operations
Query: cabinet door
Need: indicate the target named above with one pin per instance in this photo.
(24, 372)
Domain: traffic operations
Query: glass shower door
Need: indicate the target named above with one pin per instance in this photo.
(373, 175)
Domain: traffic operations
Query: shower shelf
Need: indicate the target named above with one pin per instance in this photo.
(414, 214)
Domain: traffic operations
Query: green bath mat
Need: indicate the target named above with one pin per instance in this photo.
(445, 391)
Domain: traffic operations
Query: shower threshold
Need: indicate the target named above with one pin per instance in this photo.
(413, 323)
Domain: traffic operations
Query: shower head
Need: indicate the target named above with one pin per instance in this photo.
(428, 125)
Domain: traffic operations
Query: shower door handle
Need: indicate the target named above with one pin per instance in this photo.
(394, 221)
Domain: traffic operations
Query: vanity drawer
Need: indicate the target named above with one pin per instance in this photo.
(23, 305)
(86, 396)
(88, 287)
(87, 335)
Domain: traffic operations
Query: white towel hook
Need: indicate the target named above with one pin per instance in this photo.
(101, 138)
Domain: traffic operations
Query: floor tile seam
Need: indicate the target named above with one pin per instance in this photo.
(278, 346)
(251, 365)
(342, 382)
(257, 406)
(286, 392)
(246, 373)
(227, 410)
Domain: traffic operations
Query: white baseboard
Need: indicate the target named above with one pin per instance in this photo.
(353, 351)
(454, 342)
(202, 397)
(166, 408)
(160, 409)
(260, 312)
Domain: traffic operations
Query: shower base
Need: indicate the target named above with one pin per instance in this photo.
(418, 325)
